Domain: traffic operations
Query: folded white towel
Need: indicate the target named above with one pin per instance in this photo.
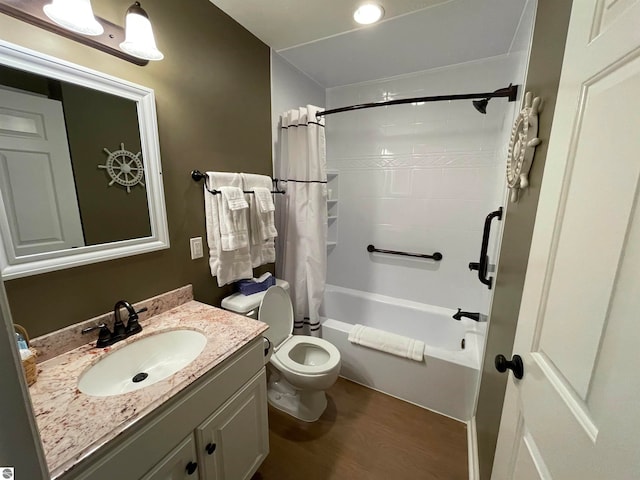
(387, 342)
(234, 196)
(262, 225)
(265, 202)
(226, 266)
(233, 218)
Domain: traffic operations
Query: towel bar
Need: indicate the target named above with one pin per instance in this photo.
(197, 175)
(437, 256)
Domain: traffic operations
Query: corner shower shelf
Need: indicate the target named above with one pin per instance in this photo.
(332, 208)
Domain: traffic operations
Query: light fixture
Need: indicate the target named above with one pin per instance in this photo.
(368, 13)
(139, 40)
(74, 15)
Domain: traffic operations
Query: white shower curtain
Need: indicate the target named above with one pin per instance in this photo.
(302, 214)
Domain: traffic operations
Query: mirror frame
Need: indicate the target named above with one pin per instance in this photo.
(15, 267)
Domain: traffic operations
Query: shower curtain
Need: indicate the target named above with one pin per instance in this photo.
(302, 214)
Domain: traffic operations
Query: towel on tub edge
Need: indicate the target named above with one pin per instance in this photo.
(387, 342)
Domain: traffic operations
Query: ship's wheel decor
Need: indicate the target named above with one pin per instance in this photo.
(124, 167)
(522, 146)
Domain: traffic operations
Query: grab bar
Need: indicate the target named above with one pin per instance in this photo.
(483, 265)
(437, 256)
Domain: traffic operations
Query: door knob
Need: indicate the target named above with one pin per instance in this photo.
(210, 448)
(515, 365)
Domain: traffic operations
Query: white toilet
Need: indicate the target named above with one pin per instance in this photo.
(300, 367)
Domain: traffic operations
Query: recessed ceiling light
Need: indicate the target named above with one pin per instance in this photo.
(368, 13)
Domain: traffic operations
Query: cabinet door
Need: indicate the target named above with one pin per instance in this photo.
(179, 464)
(234, 441)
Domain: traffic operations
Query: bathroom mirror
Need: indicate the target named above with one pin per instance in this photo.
(80, 172)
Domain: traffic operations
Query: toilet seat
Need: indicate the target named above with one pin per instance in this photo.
(277, 312)
(283, 358)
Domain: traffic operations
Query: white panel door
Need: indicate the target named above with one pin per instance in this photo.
(36, 177)
(575, 413)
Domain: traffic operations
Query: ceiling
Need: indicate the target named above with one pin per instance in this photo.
(287, 23)
(322, 40)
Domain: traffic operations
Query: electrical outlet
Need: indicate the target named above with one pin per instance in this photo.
(196, 247)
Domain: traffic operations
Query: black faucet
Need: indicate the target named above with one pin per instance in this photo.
(477, 316)
(120, 331)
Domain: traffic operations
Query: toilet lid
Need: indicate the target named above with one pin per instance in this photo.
(277, 312)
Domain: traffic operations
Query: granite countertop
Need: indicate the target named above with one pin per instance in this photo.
(73, 425)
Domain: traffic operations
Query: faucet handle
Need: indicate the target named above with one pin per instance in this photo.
(133, 326)
(104, 336)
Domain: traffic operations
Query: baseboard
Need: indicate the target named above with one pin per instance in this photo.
(472, 448)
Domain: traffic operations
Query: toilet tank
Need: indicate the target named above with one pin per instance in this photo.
(248, 304)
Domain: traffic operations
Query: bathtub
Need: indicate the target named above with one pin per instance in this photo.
(445, 382)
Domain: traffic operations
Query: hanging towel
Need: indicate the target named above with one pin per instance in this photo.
(234, 196)
(233, 218)
(265, 217)
(262, 231)
(387, 342)
(265, 202)
(226, 266)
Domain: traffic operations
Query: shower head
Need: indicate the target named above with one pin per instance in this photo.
(481, 105)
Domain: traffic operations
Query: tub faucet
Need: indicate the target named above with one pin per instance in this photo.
(476, 316)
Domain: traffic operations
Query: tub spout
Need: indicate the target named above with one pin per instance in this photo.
(476, 316)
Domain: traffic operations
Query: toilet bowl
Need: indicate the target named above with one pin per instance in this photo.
(300, 367)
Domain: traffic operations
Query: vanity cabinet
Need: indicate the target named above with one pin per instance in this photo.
(230, 445)
(216, 428)
(234, 441)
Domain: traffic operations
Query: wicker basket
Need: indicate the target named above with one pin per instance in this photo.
(28, 365)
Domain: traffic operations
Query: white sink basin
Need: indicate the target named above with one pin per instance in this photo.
(142, 363)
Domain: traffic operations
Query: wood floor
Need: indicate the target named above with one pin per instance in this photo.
(365, 434)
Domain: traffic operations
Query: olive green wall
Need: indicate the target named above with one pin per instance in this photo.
(213, 101)
(543, 75)
(22, 80)
(97, 120)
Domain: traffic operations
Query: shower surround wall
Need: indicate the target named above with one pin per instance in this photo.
(290, 88)
(418, 178)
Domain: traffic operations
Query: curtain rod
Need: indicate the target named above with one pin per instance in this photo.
(510, 92)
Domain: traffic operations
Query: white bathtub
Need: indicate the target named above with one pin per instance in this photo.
(445, 382)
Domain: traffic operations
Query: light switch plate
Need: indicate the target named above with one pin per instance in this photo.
(196, 247)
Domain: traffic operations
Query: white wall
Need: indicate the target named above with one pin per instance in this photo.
(418, 178)
(290, 88)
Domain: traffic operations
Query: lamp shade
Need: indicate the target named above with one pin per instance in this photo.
(74, 15)
(139, 40)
